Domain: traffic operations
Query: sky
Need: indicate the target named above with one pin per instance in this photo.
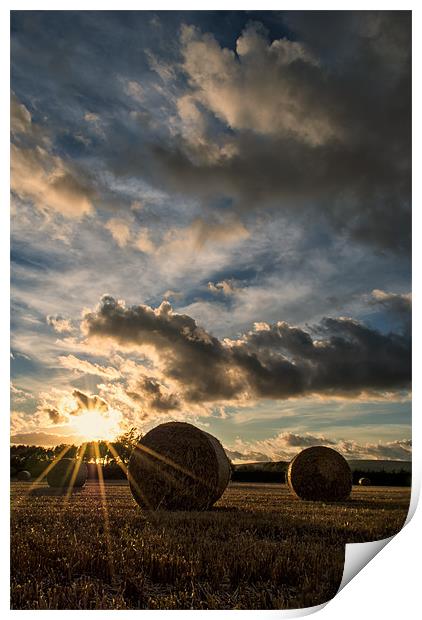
(210, 222)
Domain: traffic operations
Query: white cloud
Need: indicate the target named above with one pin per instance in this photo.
(285, 445)
(60, 324)
(72, 362)
(254, 89)
(48, 182)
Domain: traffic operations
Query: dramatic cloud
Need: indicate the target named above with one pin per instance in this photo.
(342, 356)
(42, 177)
(55, 415)
(285, 445)
(60, 324)
(249, 166)
(87, 402)
(202, 232)
(226, 287)
(18, 395)
(296, 130)
(399, 306)
(149, 392)
(400, 450)
(72, 362)
(235, 455)
(254, 89)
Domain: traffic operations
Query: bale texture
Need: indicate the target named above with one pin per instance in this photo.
(320, 474)
(364, 482)
(24, 475)
(62, 473)
(176, 466)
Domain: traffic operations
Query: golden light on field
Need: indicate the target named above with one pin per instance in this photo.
(95, 425)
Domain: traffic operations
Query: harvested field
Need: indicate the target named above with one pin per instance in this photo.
(258, 548)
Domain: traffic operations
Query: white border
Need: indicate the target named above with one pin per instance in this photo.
(389, 586)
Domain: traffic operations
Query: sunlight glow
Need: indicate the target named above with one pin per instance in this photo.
(95, 425)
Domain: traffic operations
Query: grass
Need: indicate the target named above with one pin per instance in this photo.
(259, 548)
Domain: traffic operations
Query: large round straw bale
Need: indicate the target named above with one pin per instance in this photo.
(24, 475)
(364, 482)
(177, 466)
(320, 474)
(63, 473)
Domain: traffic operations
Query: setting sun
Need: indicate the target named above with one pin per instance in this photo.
(94, 425)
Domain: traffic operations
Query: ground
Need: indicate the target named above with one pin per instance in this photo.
(258, 548)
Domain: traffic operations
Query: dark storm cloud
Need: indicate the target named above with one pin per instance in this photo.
(397, 305)
(340, 356)
(150, 391)
(84, 401)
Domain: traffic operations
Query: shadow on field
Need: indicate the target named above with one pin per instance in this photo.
(52, 492)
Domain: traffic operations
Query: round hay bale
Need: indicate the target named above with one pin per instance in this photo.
(177, 466)
(62, 473)
(364, 482)
(24, 475)
(320, 474)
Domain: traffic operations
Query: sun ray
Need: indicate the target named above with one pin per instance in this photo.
(125, 470)
(68, 491)
(170, 462)
(75, 471)
(105, 511)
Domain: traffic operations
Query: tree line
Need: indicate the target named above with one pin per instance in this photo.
(109, 455)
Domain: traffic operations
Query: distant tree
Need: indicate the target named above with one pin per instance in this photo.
(104, 452)
(125, 443)
(71, 450)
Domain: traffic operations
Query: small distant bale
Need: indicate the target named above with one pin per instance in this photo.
(320, 474)
(177, 466)
(364, 482)
(24, 475)
(63, 474)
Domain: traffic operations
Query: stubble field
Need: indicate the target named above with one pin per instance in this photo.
(258, 548)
